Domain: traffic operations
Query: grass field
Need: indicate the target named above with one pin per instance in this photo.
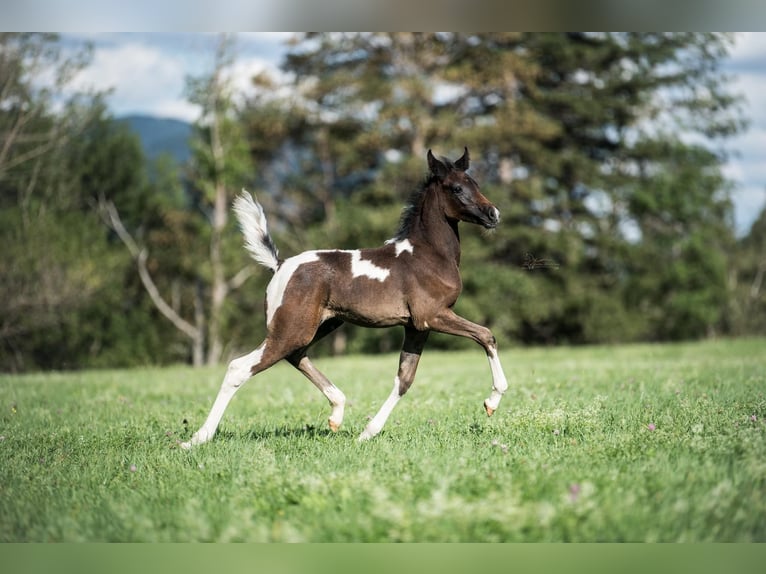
(629, 443)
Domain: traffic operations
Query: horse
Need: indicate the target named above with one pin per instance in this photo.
(412, 280)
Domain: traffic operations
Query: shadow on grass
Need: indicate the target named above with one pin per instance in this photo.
(265, 434)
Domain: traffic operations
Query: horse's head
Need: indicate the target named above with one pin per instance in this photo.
(462, 199)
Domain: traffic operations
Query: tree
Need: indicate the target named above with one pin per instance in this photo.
(572, 129)
(579, 125)
(198, 225)
(747, 281)
(50, 243)
(28, 125)
(220, 166)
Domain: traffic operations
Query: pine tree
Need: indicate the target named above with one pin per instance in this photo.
(572, 131)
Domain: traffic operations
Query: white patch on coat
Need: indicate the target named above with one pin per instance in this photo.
(402, 246)
(363, 268)
(276, 289)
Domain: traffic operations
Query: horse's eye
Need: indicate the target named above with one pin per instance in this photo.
(457, 188)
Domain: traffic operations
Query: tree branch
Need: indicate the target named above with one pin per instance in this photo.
(239, 279)
(112, 218)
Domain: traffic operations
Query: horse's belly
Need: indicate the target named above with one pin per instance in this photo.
(375, 308)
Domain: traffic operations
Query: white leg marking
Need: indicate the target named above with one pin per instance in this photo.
(363, 268)
(276, 288)
(238, 372)
(377, 422)
(338, 401)
(499, 383)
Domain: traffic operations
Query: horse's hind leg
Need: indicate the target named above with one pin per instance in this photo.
(334, 395)
(301, 362)
(239, 371)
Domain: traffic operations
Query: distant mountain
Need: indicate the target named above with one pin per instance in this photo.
(161, 135)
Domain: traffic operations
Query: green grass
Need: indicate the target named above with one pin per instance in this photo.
(569, 456)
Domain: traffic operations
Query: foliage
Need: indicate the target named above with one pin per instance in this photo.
(578, 148)
(746, 309)
(57, 285)
(179, 236)
(603, 152)
(661, 443)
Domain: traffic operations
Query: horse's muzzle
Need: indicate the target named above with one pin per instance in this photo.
(491, 217)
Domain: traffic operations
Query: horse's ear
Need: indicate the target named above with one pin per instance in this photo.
(463, 162)
(436, 167)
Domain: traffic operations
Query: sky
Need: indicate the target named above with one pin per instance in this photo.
(146, 72)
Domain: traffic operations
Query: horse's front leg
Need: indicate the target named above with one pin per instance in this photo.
(414, 341)
(453, 324)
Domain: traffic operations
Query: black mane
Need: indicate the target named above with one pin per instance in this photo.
(412, 207)
(415, 202)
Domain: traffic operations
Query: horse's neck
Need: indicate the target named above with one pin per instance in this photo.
(435, 230)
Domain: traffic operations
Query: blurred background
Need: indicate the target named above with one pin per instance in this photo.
(629, 170)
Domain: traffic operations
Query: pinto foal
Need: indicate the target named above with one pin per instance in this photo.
(413, 280)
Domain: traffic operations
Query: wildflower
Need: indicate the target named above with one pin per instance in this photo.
(651, 426)
(753, 418)
(574, 491)
(556, 432)
(133, 468)
(494, 442)
(504, 448)
(2, 437)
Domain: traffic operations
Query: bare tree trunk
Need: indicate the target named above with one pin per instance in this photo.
(219, 288)
(198, 344)
(112, 218)
(755, 287)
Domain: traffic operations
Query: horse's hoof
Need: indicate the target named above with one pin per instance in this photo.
(489, 409)
(334, 426)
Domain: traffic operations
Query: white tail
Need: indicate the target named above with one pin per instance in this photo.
(252, 221)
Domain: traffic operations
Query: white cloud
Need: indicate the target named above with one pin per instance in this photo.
(143, 79)
(147, 72)
(747, 167)
(752, 86)
(749, 201)
(749, 47)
